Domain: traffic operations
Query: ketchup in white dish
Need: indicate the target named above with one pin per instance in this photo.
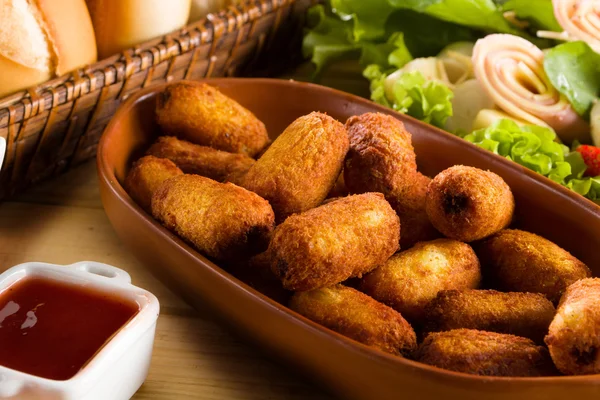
(51, 329)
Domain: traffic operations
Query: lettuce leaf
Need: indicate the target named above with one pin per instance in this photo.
(330, 40)
(534, 147)
(417, 5)
(585, 186)
(368, 30)
(574, 70)
(393, 53)
(377, 85)
(426, 36)
(589, 187)
(539, 13)
(429, 101)
(537, 149)
(368, 16)
(479, 14)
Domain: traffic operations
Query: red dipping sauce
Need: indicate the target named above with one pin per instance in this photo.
(51, 329)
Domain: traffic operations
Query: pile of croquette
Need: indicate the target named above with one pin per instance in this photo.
(334, 220)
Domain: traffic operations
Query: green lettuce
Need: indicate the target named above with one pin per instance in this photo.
(537, 149)
(368, 31)
(417, 5)
(540, 13)
(369, 16)
(574, 70)
(393, 53)
(429, 101)
(534, 147)
(588, 187)
(330, 39)
(585, 186)
(426, 36)
(479, 14)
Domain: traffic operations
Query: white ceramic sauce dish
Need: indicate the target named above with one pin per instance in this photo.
(119, 367)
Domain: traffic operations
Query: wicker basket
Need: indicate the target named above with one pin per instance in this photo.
(58, 124)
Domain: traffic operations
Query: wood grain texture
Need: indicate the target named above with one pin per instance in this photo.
(62, 221)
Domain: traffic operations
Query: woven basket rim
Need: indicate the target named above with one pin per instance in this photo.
(34, 100)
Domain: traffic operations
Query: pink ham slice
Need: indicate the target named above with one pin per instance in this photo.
(510, 69)
(580, 19)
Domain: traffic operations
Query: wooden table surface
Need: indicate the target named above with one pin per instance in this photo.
(62, 221)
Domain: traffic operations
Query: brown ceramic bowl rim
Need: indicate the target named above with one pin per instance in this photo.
(108, 175)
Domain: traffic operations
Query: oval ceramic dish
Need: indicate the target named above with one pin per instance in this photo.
(347, 368)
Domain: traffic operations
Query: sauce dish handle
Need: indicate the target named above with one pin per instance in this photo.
(104, 270)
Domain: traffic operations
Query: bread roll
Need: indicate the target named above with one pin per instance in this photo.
(42, 39)
(120, 24)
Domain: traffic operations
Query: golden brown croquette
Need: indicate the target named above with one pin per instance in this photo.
(574, 334)
(519, 261)
(357, 316)
(485, 353)
(520, 314)
(145, 176)
(409, 280)
(344, 238)
(200, 113)
(200, 160)
(382, 159)
(467, 203)
(301, 166)
(221, 220)
(410, 207)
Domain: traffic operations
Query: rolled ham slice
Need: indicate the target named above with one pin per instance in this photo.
(510, 69)
(580, 19)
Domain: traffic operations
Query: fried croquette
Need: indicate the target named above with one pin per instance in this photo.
(200, 113)
(519, 261)
(200, 160)
(485, 353)
(382, 159)
(521, 314)
(467, 204)
(344, 238)
(574, 334)
(221, 220)
(409, 280)
(410, 207)
(145, 177)
(357, 316)
(301, 166)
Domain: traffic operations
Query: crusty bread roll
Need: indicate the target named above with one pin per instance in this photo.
(120, 24)
(42, 39)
